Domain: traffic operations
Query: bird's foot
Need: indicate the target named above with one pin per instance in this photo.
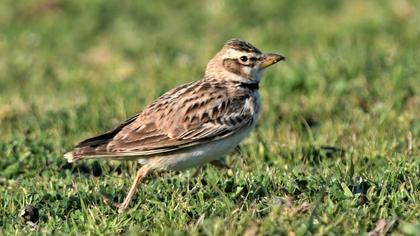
(120, 206)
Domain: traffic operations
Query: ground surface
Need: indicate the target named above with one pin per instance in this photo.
(336, 150)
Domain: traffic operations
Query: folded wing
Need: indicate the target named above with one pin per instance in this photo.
(189, 115)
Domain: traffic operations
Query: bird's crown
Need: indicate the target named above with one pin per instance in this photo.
(241, 45)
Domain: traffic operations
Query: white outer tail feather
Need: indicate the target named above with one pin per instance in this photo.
(69, 157)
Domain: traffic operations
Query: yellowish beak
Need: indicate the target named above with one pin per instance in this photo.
(270, 59)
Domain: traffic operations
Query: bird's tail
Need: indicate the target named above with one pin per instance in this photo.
(96, 147)
(81, 154)
(87, 153)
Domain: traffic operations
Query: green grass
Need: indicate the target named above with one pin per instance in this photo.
(72, 69)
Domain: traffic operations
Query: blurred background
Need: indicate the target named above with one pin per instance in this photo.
(70, 69)
(110, 58)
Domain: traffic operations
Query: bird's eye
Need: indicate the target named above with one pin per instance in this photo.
(243, 58)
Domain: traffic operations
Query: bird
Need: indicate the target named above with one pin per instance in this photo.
(192, 124)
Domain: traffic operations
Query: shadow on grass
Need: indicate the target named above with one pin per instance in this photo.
(315, 155)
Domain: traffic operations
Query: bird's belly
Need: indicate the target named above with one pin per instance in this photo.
(197, 155)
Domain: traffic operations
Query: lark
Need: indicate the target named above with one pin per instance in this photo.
(192, 124)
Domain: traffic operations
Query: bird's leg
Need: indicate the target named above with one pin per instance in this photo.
(221, 164)
(141, 173)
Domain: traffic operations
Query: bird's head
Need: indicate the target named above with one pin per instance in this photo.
(240, 60)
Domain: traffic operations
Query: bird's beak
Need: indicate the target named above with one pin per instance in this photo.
(269, 59)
